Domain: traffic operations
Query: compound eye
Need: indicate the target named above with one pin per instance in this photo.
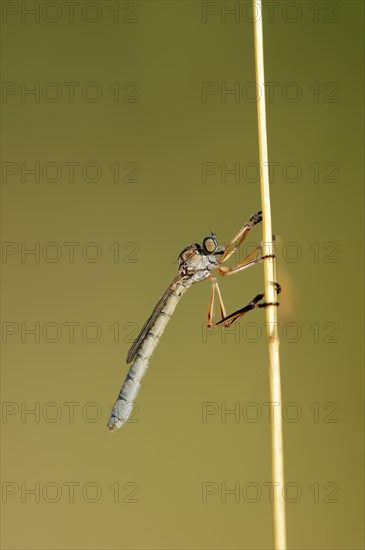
(210, 244)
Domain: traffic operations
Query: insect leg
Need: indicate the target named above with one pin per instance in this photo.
(230, 319)
(241, 236)
(215, 288)
(225, 270)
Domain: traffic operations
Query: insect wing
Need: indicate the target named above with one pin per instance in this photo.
(151, 321)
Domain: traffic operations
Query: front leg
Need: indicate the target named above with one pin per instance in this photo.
(241, 236)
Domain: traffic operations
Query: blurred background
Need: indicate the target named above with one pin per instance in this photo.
(130, 131)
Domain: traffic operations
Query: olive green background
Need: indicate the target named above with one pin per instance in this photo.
(162, 458)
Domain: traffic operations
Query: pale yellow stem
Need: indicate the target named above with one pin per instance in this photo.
(270, 294)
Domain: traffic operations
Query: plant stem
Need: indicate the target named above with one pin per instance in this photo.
(270, 293)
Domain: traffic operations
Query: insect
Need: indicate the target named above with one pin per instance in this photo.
(196, 263)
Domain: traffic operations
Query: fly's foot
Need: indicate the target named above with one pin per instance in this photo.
(256, 218)
(267, 256)
(278, 290)
(278, 287)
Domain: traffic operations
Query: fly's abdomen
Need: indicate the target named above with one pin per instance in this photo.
(124, 404)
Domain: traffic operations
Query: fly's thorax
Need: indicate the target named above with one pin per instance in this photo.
(195, 263)
(189, 253)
